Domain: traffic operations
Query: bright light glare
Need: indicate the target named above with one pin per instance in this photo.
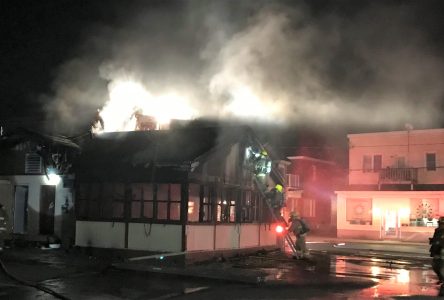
(52, 179)
(126, 97)
(279, 229)
(403, 276)
(404, 212)
(376, 211)
(246, 104)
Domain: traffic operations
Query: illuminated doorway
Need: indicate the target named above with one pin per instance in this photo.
(390, 225)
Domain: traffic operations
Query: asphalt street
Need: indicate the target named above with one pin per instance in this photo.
(334, 270)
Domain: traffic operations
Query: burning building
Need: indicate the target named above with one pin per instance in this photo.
(184, 189)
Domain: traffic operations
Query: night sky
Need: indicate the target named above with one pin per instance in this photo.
(363, 56)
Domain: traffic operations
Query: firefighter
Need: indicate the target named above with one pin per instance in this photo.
(276, 200)
(437, 252)
(299, 228)
(4, 220)
(262, 163)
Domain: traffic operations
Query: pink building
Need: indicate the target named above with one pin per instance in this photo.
(396, 185)
(311, 183)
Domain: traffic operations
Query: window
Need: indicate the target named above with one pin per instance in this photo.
(293, 181)
(424, 212)
(359, 211)
(367, 163)
(193, 202)
(248, 207)
(309, 207)
(175, 197)
(168, 198)
(226, 206)
(101, 200)
(142, 201)
(400, 162)
(377, 163)
(431, 161)
(112, 200)
(107, 200)
(162, 201)
(206, 211)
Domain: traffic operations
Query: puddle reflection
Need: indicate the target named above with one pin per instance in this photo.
(393, 279)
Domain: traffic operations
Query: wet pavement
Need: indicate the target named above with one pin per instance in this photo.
(333, 271)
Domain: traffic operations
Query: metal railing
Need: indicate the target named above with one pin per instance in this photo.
(398, 175)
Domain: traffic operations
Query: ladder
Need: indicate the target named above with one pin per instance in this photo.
(287, 237)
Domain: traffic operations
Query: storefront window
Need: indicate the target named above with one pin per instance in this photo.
(359, 211)
(424, 212)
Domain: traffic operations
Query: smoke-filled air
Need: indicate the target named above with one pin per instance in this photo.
(270, 62)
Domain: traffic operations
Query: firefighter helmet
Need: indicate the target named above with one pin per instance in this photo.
(279, 188)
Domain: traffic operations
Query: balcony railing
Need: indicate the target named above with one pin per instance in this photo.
(398, 175)
(293, 181)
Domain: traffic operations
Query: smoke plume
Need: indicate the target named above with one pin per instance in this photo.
(272, 62)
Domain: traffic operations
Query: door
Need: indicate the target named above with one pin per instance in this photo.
(20, 209)
(390, 225)
(46, 214)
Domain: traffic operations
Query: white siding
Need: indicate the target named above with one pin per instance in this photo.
(155, 237)
(100, 234)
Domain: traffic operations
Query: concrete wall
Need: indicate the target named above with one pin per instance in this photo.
(412, 145)
(229, 236)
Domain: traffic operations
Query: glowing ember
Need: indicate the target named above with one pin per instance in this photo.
(129, 100)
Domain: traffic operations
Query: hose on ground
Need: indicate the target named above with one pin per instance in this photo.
(31, 284)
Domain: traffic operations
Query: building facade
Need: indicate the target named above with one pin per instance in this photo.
(178, 190)
(311, 183)
(36, 186)
(396, 185)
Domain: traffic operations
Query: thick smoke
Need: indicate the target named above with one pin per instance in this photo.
(265, 62)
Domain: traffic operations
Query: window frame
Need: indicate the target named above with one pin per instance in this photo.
(427, 161)
(377, 168)
(367, 163)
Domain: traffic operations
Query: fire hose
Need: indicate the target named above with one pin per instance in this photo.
(31, 284)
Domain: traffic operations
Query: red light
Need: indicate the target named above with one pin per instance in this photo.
(279, 229)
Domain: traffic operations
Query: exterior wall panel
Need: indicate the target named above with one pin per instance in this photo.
(249, 235)
(100, 234)
(155, 237)
(200, 237)
(227, 236)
